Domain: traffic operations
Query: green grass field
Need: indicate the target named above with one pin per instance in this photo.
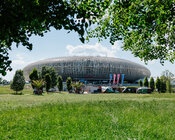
(91, 116)
(6, 90)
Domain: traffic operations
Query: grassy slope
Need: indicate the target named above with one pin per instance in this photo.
(70, 116)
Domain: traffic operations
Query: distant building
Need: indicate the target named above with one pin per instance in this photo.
(90, 68)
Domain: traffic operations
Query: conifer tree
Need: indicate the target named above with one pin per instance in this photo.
(145, 82)
(18, 81)
(158, 82)
(69, 84)
(140, 83)
(151, 84)
(60, 83)
(47, 82)
(168, 86)
(33, 76)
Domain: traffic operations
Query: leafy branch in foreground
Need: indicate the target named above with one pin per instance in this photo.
(145, 27)
(18, 22)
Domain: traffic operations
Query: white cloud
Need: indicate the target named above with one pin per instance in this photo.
(93, 50)
(19, 60)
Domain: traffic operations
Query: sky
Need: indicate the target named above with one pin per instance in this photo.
(61, 43)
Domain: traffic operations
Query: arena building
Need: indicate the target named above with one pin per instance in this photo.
(90, 68)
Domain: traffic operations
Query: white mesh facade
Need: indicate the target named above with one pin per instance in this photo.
(91, 68)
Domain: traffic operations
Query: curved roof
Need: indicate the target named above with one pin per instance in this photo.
(91, 67)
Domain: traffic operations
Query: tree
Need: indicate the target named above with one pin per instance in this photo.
(69, 84)
(38, 84)
(53, 75)
(168, 86)
(151, 84)
(18, 23)
(140, 83)
(167, 75)
(145, 82)
(162, 84)
(60, 83)
(44, 71)
(18, 81)
(0, 80)
(158, 84)
(33, 76)
(146, 28)
(47, 82)
(52, 72)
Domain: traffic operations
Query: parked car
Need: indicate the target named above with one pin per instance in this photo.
(144, 90)
(129, 90)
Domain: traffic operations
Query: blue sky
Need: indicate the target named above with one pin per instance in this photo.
(60, 43)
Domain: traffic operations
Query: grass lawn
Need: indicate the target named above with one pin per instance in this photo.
(5, 89)
(91, 116)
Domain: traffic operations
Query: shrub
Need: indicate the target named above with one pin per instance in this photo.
(38, 84)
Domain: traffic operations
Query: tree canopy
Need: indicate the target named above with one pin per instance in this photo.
(20, 19)
(146, 28)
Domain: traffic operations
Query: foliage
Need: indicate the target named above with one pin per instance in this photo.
(145, 82)
(78, 87)
(167, 75)
(140, 83)
(60, 83)
(18, 23)
(168, 86)
(52, 72)
(158, 84)
(0, 80)
(163, 84)
(38, 84)
(53, 75)
(151, 84)
(18, 81)
(69, 84)
(48, 81)
(146, 28)
(33, 76)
